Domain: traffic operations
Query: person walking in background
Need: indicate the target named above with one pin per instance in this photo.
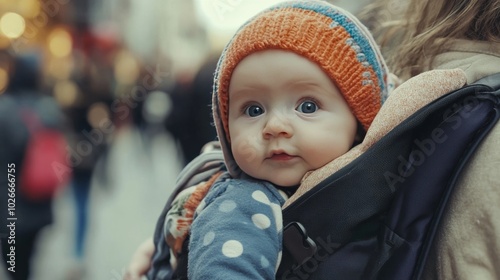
(190, 121)
(31, 142)
(80, 132)
(447, 34)
(89, 130)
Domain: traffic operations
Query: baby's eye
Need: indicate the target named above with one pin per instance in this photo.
(307, 107)
(253, 111)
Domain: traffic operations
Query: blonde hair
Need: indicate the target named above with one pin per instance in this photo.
(423, 31)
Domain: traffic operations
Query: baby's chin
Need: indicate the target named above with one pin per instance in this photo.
(289, 179)
(287, 182)
(281, 182)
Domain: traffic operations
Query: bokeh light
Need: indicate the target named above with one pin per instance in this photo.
(126, 68)
(66, 93)
(12, 25)
(97, 113)
(60, 43)
(157, 106)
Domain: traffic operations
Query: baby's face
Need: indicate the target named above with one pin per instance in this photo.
(286, 117)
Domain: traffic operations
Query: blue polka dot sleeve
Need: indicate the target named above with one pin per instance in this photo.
(237, 232)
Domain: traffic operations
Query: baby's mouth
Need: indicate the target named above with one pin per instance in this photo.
(280, 156)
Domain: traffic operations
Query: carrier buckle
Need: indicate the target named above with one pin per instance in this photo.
(298, 243)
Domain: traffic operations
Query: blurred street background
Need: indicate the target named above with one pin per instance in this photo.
(132, 81)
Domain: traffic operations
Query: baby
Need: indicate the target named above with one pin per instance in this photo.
(295, 88)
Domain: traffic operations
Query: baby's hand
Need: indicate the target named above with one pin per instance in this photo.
(141, 261)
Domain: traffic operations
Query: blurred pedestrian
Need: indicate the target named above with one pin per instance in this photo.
(190, 121)
(26, 201)
(81, 134)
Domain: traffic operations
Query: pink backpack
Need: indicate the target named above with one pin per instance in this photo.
(40, 178)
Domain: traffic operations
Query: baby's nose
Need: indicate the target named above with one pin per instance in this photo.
(277, 125)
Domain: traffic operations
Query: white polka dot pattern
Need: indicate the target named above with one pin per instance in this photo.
(209, 238)
(232, 249)
(276, 208)
(261, 221)
(264, 262)
(227, 206)
(280, 255)
(261, 197)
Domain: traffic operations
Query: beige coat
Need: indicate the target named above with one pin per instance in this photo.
(467, 245)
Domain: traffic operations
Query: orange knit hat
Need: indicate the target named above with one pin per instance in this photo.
(321, 32)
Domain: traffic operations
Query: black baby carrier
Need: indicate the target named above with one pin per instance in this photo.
(375, 218)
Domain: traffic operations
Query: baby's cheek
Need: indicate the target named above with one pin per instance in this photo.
(322, 152)
(244, 150)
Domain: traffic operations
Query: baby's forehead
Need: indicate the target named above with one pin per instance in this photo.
(277, 68)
